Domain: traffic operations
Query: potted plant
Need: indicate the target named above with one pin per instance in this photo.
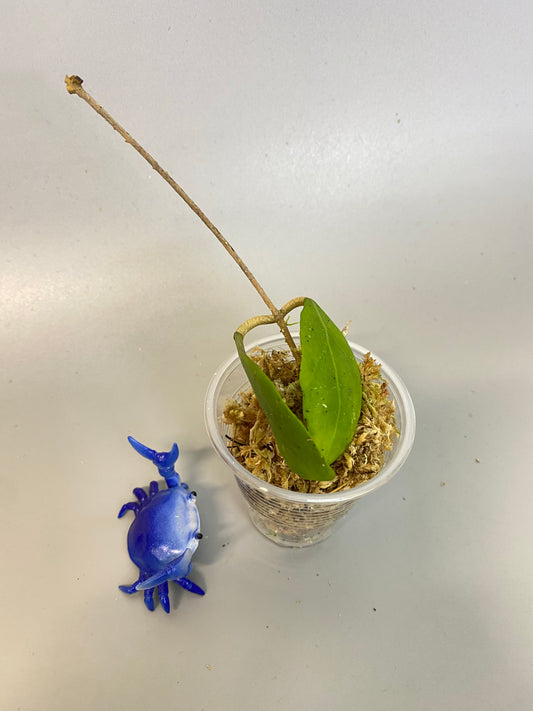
(308, 422)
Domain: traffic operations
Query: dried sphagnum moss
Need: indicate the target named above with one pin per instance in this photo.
(252, 442)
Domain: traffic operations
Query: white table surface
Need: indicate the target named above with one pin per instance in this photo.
(375, 156)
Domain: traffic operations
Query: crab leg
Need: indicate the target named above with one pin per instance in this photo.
(149, 599)
(129, 589)
(140, 494)
(130, 506)
(163, 596)
(190, 586)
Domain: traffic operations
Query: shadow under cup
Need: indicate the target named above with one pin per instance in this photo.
(292, 518)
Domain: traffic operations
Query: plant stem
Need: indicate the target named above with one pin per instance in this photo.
(74, 86)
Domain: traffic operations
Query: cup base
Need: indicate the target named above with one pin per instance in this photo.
(282, 538)
(289, 523)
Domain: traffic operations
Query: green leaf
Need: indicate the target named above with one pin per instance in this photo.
(331, 382)
(293, 440)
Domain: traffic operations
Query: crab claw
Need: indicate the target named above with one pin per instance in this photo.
(164, 461)
(143, 450)
(160, 459)
(180, 567)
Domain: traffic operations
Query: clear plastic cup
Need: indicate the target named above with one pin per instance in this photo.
(292, 518)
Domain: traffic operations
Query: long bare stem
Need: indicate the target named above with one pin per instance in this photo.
(74, 86)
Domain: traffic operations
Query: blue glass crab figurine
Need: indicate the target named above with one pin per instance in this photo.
(165, 532)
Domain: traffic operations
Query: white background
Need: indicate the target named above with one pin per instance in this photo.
(373, 155)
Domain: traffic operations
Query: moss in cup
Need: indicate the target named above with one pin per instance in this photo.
(253, 444)
(313, 420)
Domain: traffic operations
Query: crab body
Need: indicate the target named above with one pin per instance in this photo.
(164, 533)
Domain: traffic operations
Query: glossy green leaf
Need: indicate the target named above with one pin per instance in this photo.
(292, 438)
(331, 382)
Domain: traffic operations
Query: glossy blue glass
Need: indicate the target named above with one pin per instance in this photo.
(165, 532)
